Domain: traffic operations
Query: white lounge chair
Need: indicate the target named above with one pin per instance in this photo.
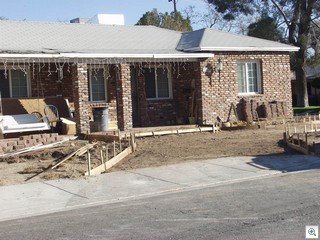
(22, 123)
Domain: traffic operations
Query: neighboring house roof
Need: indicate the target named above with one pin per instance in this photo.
(74, 40)
(312, 72)
(214, 40)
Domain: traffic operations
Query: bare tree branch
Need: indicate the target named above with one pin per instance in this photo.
(281, 12)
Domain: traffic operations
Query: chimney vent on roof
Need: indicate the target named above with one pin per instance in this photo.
(80, 20)
(105, 19)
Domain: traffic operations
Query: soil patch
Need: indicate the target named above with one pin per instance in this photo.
(151, 152)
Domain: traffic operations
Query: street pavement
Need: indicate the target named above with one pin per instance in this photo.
(25, 200)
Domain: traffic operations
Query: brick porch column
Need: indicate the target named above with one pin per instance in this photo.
(206, 92)
(81, 98)
(124, 99)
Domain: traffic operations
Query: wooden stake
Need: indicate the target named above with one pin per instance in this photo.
(306, 138)
(102, 159)
(132, 142)
(119, 135)
(285, 137)
(107, 152)
(89, 163)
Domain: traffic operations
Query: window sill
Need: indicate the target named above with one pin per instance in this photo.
(93, 102)
(158, 99)
(249, 94)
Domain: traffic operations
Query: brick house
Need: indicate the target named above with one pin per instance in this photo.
(146, 76)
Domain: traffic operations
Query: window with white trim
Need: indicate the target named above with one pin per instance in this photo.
(14, 83)
(249, 77)
(97, 85)
(158, 84)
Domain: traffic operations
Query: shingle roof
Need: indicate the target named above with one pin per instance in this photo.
(44, 37)
(313, 72)
(214, 40)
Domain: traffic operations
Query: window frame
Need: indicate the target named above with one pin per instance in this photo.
(169, 77)
(90, 69)
(259, 77)
(9, 75)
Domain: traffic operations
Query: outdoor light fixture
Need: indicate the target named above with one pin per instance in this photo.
(218, 68)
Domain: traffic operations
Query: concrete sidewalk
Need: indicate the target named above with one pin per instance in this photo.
(32, 199)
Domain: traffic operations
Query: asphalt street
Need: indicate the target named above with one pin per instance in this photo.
(268, 207)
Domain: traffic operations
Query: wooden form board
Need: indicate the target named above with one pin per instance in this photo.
(177, 131)
(110, 163)
(298, 148)
(102, 137)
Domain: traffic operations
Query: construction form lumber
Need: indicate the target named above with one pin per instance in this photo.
(89, 163)
(110, 163)
(107, 164)
(176, 131)
(78, 152)
(102, 137)
(299, 139)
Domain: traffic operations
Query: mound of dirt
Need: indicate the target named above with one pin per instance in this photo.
(151, 152)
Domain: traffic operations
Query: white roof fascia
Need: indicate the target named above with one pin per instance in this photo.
(105, 56)
(24, 55)
(153, 56)
(243, 49)
(185, 55)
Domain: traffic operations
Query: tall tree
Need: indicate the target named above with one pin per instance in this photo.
(315, 42)
(265, 28)
(174, 8)
(150, 18)
(173, 21)
(297, 16)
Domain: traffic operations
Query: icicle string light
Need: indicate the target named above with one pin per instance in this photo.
(25, 64)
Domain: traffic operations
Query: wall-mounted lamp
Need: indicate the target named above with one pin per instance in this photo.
(209, 69)
(218, 68)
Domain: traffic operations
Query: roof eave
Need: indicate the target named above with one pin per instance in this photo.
(105, 55)
(242, 49)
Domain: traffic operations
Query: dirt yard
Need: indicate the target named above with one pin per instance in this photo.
(151, 151)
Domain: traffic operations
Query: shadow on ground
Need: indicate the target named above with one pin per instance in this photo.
(290, 161)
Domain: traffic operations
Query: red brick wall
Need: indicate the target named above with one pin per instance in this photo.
(124, 104)
(111, 102)
(218, 93)
(46, 82)
(81, 97)
(15, 144)
(177, 109)
(211, 99)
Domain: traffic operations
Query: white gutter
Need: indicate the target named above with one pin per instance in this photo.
(244, 49)
(105, 56)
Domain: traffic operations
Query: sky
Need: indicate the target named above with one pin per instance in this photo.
(65, 10)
